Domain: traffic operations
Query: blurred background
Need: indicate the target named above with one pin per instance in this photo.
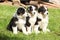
(49, 3)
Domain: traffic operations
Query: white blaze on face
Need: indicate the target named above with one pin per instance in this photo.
(34, 11)
(46, 10)
(33, 7)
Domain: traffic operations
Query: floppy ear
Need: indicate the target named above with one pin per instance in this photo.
(46, 7)
(20, 11)
(40, 5)
(40, 9)
(36, 7)
(29, 9)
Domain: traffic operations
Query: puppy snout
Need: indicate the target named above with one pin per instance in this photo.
(34, 12)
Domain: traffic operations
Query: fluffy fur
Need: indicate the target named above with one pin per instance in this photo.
(32, 13)
(18, 21)
(29, 20)
(43, 15)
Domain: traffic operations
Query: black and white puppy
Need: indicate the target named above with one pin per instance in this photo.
(18, 21)
(32, 14)
(42, 19)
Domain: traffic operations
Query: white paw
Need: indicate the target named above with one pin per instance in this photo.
(29, 32)
(26, 33)
(37, 32)
(48, 30)
(44, 30)
(14, 32)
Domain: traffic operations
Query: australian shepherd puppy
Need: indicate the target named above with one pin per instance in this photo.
(31, 18)
(18, 21)
(42, 19)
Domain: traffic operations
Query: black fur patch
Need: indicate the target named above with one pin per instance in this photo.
(47, 13)
(30, 9)
(12, 23)
(36, 7)
(20, 11)
(41, 9)
(37, 20)
(39, 29)
(27, 21)
(20, 30)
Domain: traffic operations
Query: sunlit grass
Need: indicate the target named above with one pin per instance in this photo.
(6, 12)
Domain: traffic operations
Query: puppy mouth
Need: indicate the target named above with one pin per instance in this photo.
(20, 16)
(44, 15)
(32, 15)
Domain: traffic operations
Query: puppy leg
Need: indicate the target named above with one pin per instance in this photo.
(14, 30)
(36, 29)
(29, 30)
(24, 30)
(44, 27)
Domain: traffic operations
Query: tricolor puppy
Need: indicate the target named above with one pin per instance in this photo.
(31, 18)
(18, 21)
(42, 19)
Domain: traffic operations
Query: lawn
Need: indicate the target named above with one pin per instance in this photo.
(6, 13)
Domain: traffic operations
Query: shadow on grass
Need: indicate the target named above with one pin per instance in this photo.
(5, 37)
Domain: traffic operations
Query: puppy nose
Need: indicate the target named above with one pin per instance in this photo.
(34, 12)
(47, 13)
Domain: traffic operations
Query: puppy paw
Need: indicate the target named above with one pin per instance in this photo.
(14, 32)
(37, 32)
(29, 32)
(26, 33)
(48, 30)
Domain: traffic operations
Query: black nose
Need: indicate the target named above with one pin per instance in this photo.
(47, 13)
(34, 12)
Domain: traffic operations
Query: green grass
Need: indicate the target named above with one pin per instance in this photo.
(6, 12)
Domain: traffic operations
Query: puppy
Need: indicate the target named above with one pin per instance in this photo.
(43, 16)
(18, 21)
(32, 14)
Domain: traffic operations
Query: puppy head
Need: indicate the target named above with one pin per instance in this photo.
(43, 10)
(21, 12)
(32, 10)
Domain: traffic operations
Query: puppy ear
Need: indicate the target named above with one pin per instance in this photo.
(20, 11)
(29, 9)
(36, 7)
(45, 6)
